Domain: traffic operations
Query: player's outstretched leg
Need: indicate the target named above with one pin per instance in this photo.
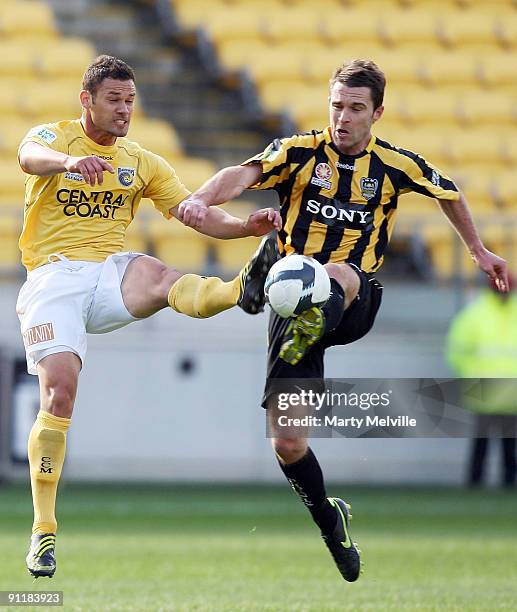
(41, 560)
(202, 297)
(253, 276)
(331, 514)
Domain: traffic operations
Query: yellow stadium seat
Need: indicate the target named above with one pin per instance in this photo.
(65, 57)
(26, 19)
(302, 22)
(499, 70)
(508, 33)
(193, 171)
(277, 63)
(399, 27)
(505, 189)
(59, 101)
(449, 257)
(321, 62)
(11, 135)
(157, 136)
(477, 188)
(483, 147)
(487, 108)
(137, 239)
(10, 228)
(351, 25)
(400, 68)
(451, 68)
(12, 186)
(18, 59)
(463, 28)
(235, 23)
(191, 14)
(178, 246)
(424, 107)
(235, 54)
(233, 254)
(427, 142)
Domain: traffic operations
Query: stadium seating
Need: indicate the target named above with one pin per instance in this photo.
(451, 67)
(41, 76)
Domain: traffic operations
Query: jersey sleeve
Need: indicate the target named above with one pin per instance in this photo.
(164, 187)
(49, 135)
(276, 160)
(426, 179)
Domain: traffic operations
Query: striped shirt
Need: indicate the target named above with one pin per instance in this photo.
(341, 208)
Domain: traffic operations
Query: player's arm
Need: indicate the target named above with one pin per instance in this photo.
(458, 213)
(226, 185)
(42, 161)
(217, 223)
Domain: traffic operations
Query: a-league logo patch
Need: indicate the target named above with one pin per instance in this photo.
(323, 174)
(368, 187)
(126, 176)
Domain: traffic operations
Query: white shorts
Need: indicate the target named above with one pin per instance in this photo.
(64, 300)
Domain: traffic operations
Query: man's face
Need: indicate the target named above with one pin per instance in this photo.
(351, 117)
(112, 106)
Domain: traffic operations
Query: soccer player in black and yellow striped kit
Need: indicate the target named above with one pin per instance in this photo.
(338, 191)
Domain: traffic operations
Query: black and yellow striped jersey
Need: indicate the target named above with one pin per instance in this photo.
(341, 208)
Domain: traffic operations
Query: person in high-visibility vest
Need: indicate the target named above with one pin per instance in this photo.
(482, 343)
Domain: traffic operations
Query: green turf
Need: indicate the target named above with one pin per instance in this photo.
(240, 549)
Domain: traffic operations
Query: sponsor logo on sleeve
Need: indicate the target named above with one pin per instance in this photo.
(322, 175)
(435, 178)
(45, 134)
(126, 176)
(369, 187)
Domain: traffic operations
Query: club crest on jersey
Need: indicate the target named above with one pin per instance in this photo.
(368, 187)
(126, 176)
(322, 172)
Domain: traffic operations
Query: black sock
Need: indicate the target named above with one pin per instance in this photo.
(335, 306)
(306, 478)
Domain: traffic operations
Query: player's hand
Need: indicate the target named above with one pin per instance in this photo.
(496, 268)
(262, 222)
(192, 212)
(91, 167)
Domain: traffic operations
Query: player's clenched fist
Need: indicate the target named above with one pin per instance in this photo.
(192, 212)
(91, 168)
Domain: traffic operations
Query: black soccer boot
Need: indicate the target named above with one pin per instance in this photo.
(342, 549)
(41, 560)
(253, 276)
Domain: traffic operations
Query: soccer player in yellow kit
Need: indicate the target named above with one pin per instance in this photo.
(85, 183)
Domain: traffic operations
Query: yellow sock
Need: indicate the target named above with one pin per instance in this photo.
(47, 445)
(201, 296)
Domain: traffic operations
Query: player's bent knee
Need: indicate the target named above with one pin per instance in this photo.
(58, 399)
(290, 449)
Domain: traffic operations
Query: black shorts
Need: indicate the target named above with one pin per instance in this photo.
(357, 321)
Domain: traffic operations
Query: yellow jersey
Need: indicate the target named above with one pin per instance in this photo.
(65, 215)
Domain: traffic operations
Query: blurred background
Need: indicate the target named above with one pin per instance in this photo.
(171, 404)
(217, 81)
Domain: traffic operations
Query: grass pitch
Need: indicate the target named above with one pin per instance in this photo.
(253, 549)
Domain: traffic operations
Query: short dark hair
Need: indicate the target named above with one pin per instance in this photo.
(106, 67)
(362, 73)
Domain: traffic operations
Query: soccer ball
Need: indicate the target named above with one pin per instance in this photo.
(296, 283)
